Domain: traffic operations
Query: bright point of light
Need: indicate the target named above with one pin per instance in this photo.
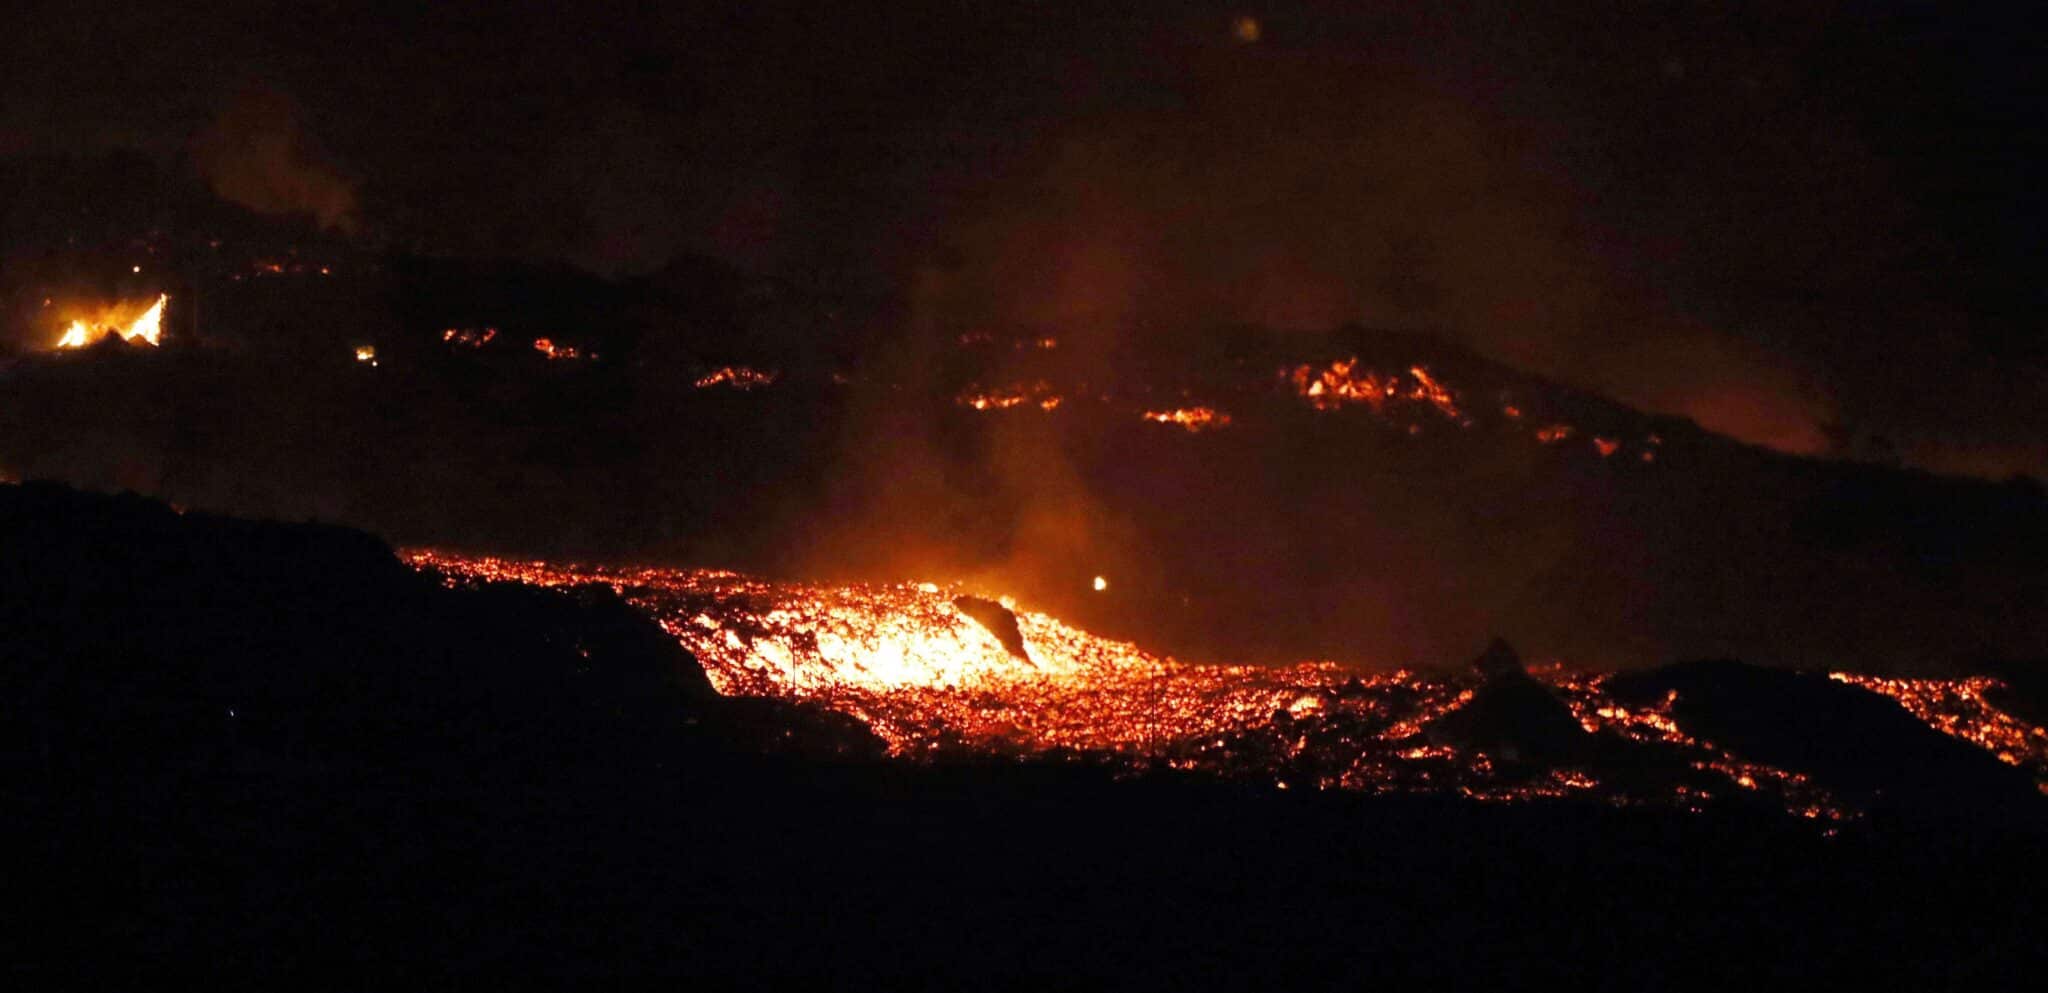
(1101, 584)
(135, 269)
(366, 353)
(1246, 29)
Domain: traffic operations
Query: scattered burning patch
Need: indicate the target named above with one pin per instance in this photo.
(471, 337)
(1038, 394)
(930, 678)
(560, 352)
(1195, 419)
(737, 377)
(146, 326)
(1346, 382)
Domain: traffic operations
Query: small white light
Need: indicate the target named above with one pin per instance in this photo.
(1101, 584)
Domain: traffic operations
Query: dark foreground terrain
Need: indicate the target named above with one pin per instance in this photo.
(240, 748)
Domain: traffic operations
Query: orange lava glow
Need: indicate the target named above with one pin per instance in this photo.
(1554, 433)
(930, 680)
(1957, 707)
(548, 347)
(1195, 419)
(1039, 394)
(738, 377)
(469, 337)
(146, 326)
(1344, 382)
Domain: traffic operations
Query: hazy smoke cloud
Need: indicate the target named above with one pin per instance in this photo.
(1314, 194)
(257, 154)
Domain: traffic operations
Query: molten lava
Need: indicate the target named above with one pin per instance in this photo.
(1195, 419)
(738, 377)
(1039, 394)
(930, 679)
(553, 350)
(469, 337)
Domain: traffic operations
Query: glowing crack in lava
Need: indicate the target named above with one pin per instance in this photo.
(148, 326)
(910, 662)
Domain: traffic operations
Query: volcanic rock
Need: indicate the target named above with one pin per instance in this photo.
(998, 620)
(1842, 736)
(1511, 716)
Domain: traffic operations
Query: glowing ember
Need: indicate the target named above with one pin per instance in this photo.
(1343, 382)
(1039, 394)
(547, 347)
(738, 377)
(1195, 419)
(1606, 446)
(1554, 433)
(366, 354)
(469, 337)
(146, 326)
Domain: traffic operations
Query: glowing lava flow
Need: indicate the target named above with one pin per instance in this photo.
(929, 680)
(738, 377)
(1957, 707)
(1195, 419)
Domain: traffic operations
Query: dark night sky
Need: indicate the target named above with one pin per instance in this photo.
(1794, 226)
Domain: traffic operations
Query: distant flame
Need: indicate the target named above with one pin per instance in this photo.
(738, 377)
(1345, 382)
(547, 347)
(147, 326)
(469, 337)
(1195, 419)
(1039, 394)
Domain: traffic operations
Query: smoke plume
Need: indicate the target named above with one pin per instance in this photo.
(257, 154)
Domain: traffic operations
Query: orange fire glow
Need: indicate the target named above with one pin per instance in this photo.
(1344, 382)
(738, 377)
(929, 679)
(548, 347)
(1039, 394)
(1195, 419)
(1957, 707)
(470, 337)
(146, 326)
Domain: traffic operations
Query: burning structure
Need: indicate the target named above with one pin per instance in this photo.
(146, 326)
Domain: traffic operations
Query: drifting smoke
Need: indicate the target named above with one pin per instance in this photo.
(1314, 195)
(257, 154)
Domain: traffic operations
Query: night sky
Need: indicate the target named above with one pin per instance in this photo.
(1814, 229)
